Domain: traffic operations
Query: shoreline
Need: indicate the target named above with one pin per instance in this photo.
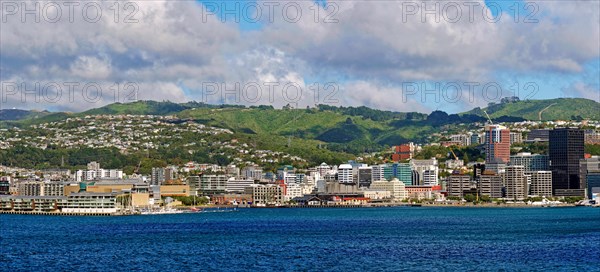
(389, 205)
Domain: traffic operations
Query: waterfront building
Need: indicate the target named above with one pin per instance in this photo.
(490, 184)
(424, 192)
(269, 194)
(497, 144)
(541, 183)
(91, 203)
(213, 184)
(377, 194)
(565, 151)
(238, 185)
(32, 203)
(396, 188)
(292, 191)
(458, 184)
(515, 182)
(531, 162)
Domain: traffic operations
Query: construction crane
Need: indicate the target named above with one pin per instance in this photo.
(453, 154)
(137, 169)
(488, 117)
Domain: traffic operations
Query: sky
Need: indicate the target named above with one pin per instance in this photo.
(384, 54)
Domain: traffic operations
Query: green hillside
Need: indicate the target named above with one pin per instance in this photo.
(550, 110)
(16, 114)
(328, 125)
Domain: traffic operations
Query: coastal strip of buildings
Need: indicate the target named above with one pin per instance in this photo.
(564, 172)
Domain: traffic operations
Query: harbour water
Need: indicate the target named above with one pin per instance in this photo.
(373, 239)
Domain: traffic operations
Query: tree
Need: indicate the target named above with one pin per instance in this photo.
(470, 198)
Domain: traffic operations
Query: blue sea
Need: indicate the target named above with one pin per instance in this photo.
(373, 239)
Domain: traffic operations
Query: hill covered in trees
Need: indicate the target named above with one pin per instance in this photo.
(544, 110)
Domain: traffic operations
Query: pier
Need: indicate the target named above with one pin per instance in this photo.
(58, 213)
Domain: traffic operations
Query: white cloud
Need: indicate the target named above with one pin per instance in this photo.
(369, 52)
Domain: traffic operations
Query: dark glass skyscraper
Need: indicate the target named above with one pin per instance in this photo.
(566, 149)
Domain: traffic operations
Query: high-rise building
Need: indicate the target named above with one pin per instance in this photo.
(365, 176)
(403, 172)
(252, 172)
(458, 184)
(516, 137)
(432, 168)
(345, 174)
(478, 170)
(158, 176)
(566, 149)
(403, 152)
(323, 169)
(538, 135)
(475, 139)
(496, 167)
(531, 162)
(587, 165)
(497, 144)
(463, 139)
(541, 183)
(430, 177)
(515, 182)
(377, 172)
(4, 186)
(591, 136)
(593, 185)
(490, 184)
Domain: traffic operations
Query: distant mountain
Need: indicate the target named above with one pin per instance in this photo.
(16, 114)
(545, 110)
